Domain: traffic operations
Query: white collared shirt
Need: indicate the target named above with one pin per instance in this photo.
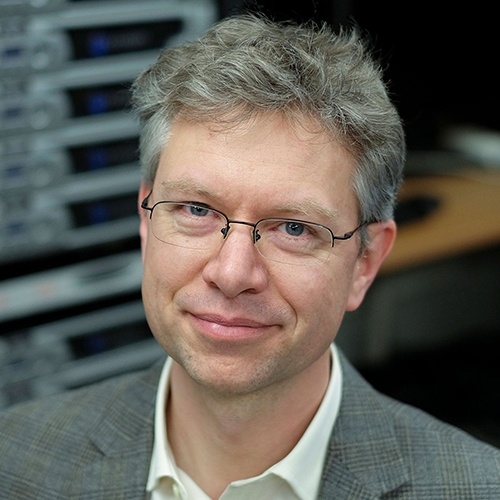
(295, 477)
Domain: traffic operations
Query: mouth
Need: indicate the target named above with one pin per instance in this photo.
(217, 326)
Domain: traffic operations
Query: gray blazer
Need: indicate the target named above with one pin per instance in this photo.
(95, 443)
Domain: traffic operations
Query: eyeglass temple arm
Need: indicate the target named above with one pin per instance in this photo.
(345, 237)
(144, 205)
(351, 233)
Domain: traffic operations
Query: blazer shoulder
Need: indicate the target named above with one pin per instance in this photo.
(443, 460)
(50, 441)
(389, 446)
(79, 407)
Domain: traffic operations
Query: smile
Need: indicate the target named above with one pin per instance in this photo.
(213, 325)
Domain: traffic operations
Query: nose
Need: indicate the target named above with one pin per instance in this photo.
(237, 267)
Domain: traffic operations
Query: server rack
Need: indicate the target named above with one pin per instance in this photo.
(70, 310)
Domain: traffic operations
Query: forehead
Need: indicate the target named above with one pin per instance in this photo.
(274, 159)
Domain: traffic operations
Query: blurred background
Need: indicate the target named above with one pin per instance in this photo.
(428, 332)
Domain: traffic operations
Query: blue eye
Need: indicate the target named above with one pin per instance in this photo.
(198, 211)
(294, 228)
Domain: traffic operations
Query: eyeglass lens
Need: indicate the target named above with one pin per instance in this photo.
(282, 240)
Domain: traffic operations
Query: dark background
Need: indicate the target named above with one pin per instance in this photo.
(440, 57)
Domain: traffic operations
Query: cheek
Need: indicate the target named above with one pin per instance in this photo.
(167, 269)
(319, 299)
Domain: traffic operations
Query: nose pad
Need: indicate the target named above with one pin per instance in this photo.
(255, 233)
(236, 266)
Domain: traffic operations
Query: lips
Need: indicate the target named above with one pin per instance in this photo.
(215, 325)
(232, 322)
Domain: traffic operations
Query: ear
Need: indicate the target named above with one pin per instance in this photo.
(382, 236)
(144, 190)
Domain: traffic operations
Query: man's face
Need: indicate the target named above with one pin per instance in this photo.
(234, 321)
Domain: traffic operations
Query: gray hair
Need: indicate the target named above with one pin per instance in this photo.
(247, 65)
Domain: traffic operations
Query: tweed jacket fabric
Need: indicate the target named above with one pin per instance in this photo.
(96, 443)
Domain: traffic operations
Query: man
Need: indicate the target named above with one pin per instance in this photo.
(271, 159)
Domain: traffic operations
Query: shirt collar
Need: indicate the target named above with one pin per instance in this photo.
(301, 468)
(162, 464)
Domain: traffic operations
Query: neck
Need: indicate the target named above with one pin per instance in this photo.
(219, 438)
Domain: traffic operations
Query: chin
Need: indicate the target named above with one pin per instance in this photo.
(232, 378)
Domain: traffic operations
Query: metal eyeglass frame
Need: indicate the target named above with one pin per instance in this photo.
(255, 234)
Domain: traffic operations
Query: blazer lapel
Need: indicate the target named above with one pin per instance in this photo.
(124, 439)
(363, 460)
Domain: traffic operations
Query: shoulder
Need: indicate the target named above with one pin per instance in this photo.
(421, 436)
(51, 439)
(443, 460)
(77, 408)
(404, 449)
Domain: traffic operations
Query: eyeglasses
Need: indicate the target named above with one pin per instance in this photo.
(198, 227)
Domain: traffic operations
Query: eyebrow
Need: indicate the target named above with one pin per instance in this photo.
(306, 208)
(186, 185)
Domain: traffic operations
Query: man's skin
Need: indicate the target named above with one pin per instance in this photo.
(250, 337)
